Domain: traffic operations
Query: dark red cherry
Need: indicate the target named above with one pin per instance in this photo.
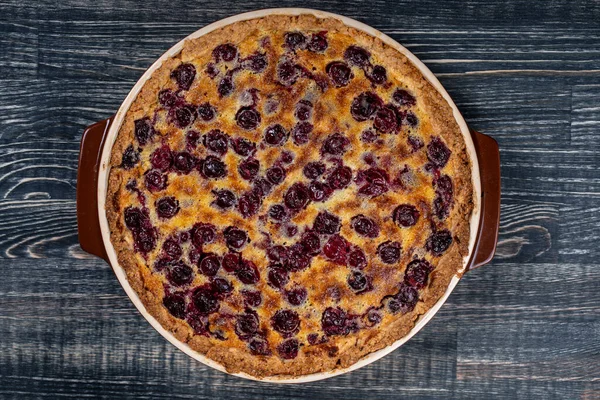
(417, 272)
(286, 322)
(167, 207)
(213, 168)
(130, 158)
(410, 119)
(247, 324)
(209, 264)
(386, 120)
(339, 72)
(162, 158)
(231, 261)
(183, 116)
(256, 62)
(259, 347)
(221, 286)
(296, 296)
(224, 52)
(415, 142)
(180, 274)
(198, 322)
(336, 249)
(252, 298)
(135, 218)
(294, 40)
(216, 141)
(243, 147)
(437, 152)
(172, 249)
(303, 110)
(297, 196)
(211, 70)
(155, 181)
(144, 130)
(248, 168)
(291, 230)
(318, 42)
(389, 252)
(318, 191)
(444, 196)
(439, 242)
(247, 118)
(359, 282)
(167, 98)
(203, 233)
(405, 300)
(277, 253)
(144, 239)
(205, 300)
(225, 87)
(248, 272)
(278, 213)
(403, 98)
(300, 133)
(314, 169)
(184, 75)
(297, 259)
(275, 174)
(287, 72)
(369, 136)
(340, 177)
(235, 238)
(335, 144)
(377, 182)
(378, 75)
(333, 321)
(223, 198)
(311, 243)
(365, 226)
(206, 112)
(194, 255)
(357, 56)
(365, 105)
(192, 138)
(184, 162)
(373, 317)
(288, 349)
(249, 203)
(278, 277)
(327, 223)
(357, 259)
(175, 304)
(405, 215)
(262, 187)
(275, 135)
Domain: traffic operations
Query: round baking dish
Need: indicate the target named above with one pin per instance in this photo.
(98, 139)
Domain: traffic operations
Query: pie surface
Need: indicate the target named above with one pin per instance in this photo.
(288, 195)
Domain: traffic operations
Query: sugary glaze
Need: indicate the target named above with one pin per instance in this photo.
(288, 195)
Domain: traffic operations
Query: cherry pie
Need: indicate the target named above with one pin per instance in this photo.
(288, 195)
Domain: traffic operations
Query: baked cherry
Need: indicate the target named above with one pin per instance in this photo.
(247, 118)
(256, 62)
(278, 277)
(318, 42)
(259, 347)
(405, 300)
(231, 261)
(378, 75)
(221, 286)
(357, 259)
(211, 70)
(297, 196)
(288, 349)
(369, 136)
(262, 187)
(130, 158)
(405, 215)
(235, 238)
(389, 252)
(167, 98)
(144, 130)
(184, 115)
(318, 191)
(180, 274)
(248, 168)
(410, 119)
(184, 75)
(167, 207)
(155, 181)
(294, 40)
(386, 120)
(135, 218)
(243, 147)
(144, 239)
(439, 242)
(340, 177)
(326, 223)
(336, 249)
(162, 158)
(403, 98)
(175, 304)
(357, 56)
(277, 253)
(444, 196)
(359, 282)
(373, 317)
(311, 243)
(205, 300)
(335, 144)
(286, 322)
(225, 86)
(206, 112)
(224, 52)
(216, 141)
(275, 174)
(249, 203)
(224, 198)
(252, 298)
(314, 169)
(339, 72)
(300, 133)
(415, 142)
(212, 168)
(417, 272)
(287, 72)
(278, 213)
(437, 152)
(203, 233)
(247, 272)
(333, 321)
(303, 110)
(296, 296)
(247, 324)
(377, 182)
(209, 264)
(365, 105)
(365, 226)
(275, 135)
(184, 162)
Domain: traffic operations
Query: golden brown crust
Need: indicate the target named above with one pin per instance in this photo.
(339, 351)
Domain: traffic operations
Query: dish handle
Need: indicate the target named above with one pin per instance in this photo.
(488, 155)
(88, 224)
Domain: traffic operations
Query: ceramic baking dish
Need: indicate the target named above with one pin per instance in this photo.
(93, 171)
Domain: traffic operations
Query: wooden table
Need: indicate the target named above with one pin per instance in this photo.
(527, 325)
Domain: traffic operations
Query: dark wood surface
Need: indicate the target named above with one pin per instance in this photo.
(525, 326)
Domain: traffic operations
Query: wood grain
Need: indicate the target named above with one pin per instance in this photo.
(525, 326)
